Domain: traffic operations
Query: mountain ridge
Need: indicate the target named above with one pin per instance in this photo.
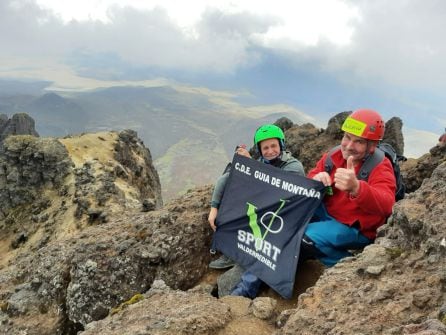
(163, 116)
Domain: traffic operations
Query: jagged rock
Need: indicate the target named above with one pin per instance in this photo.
(171, 312)
(127, 148)
(53, 189)
(284, 123)
(415, 171)
(335, 124)
(85, 276)
(397, 281)
(428, 327)
(298, 139)
(29, 164)
(47, 184)
(19, 239)
(394, 135)
(19, 124)
(75, 273)
(3, 120)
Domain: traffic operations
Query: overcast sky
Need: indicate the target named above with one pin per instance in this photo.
(322, 56)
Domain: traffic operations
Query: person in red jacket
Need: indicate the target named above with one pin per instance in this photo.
(356, 208)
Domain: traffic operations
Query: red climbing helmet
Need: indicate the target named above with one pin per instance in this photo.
(365, 123)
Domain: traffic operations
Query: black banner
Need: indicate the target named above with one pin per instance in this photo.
(262, 217)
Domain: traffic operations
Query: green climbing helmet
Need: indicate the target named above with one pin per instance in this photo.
(268, 131)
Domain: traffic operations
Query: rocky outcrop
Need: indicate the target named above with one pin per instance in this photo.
(19, 124)
(136, 158)
(120, 177)
(164, 311)
(72, 282)
(394, 135)
(29, 164)
(53, 188)
(55, 194)
(415, 171)
(99, 255)
(396, 286)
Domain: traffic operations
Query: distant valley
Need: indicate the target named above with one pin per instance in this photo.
(191, 132)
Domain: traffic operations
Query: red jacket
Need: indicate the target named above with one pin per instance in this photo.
(374, 202)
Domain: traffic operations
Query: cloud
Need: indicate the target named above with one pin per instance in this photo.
(25, 28)
(399, 43)
(396, 43)
(392, 50)
(219, 43)
(418, 142)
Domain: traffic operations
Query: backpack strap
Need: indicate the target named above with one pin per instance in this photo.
(370, 163)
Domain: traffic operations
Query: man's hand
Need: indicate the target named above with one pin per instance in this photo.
(345, 179)
(211, 218)
(323, 177)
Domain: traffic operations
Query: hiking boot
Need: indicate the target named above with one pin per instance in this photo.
(223, 262)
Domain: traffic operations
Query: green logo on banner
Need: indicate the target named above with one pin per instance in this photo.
(255, 228)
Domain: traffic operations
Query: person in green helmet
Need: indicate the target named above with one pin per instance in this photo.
(269, 141)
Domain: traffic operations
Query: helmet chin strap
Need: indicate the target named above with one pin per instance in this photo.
(282, 146)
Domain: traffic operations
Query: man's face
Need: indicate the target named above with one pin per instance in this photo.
(270, 148)
(356, 146)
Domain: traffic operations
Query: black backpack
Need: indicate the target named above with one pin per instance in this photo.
(383, 150)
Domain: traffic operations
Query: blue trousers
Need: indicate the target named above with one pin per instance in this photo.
(332, 238)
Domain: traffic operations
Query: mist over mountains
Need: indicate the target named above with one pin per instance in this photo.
(191, 133)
